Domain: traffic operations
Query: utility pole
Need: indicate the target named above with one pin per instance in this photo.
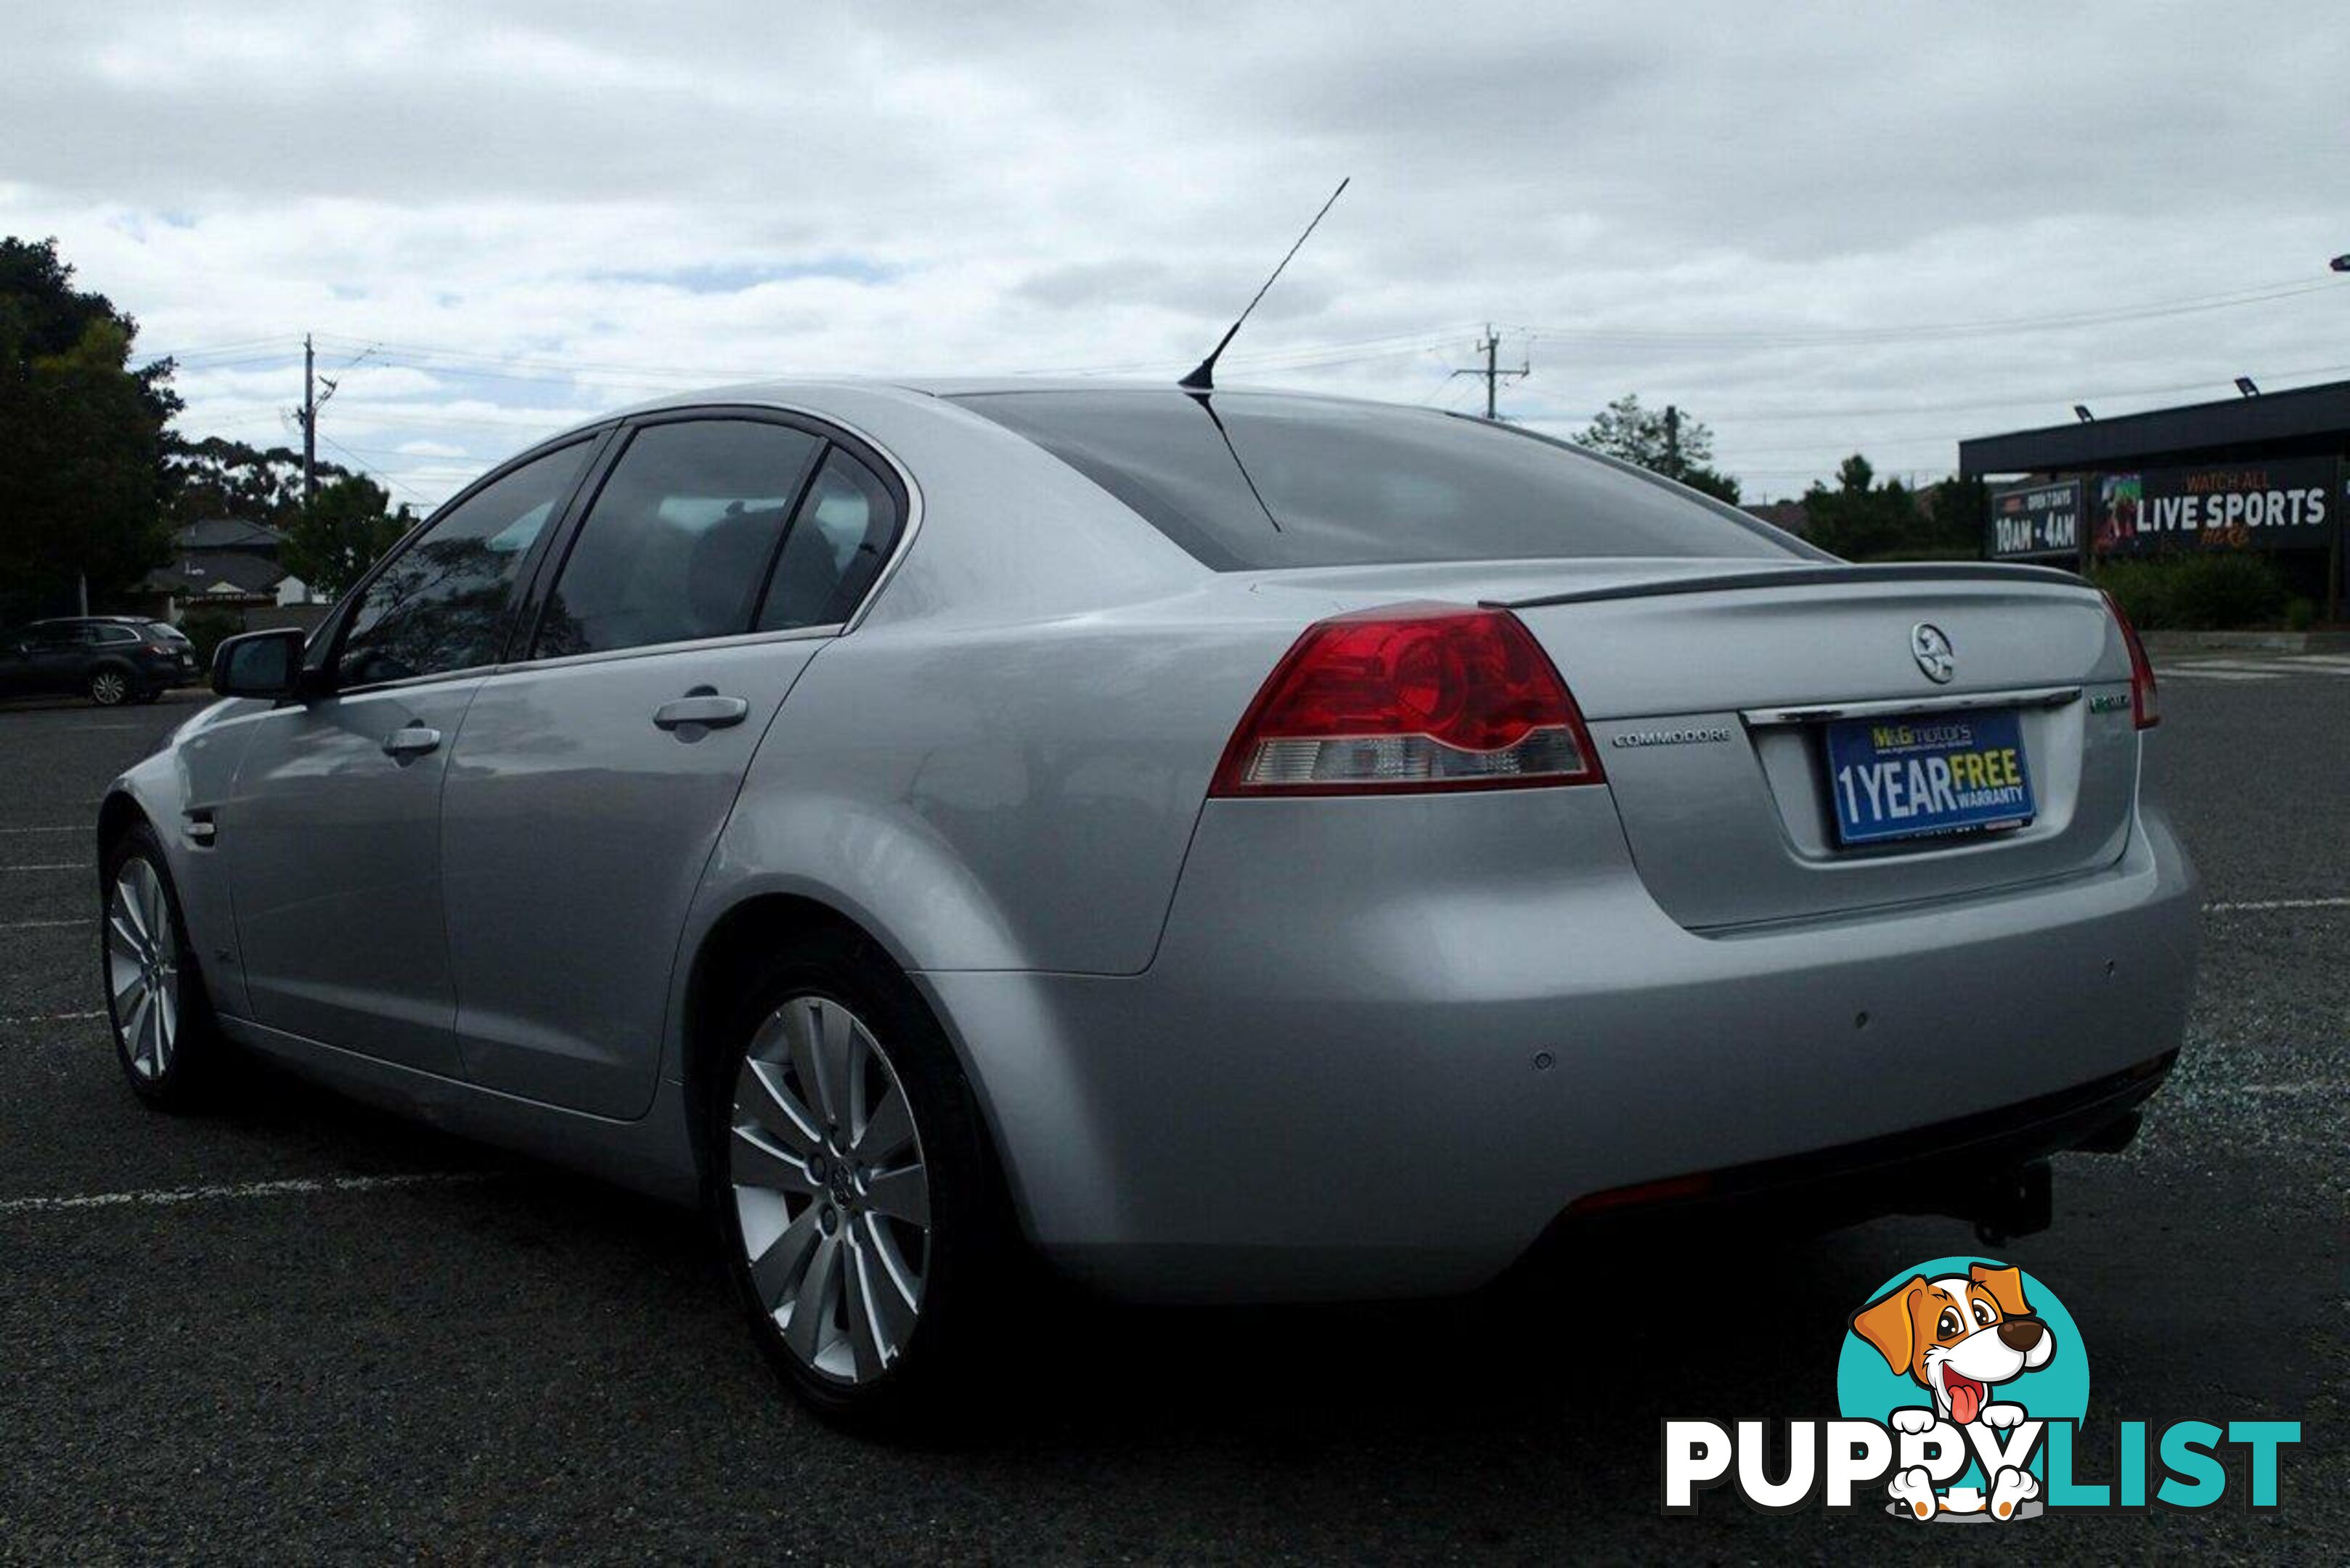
(309, 426)
(1490, 347)
(1672, 441)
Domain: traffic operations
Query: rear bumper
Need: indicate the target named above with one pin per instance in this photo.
(1386, 1044)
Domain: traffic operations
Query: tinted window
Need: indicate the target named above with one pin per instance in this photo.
(1246, 481)
(442, 604)
(838, 541)
(112, 634)
(681, 537)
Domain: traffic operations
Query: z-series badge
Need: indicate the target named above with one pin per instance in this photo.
(1710, 735)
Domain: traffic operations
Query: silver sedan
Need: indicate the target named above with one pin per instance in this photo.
(1231, 846)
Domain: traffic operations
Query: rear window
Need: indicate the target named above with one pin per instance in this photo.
(1246, 481)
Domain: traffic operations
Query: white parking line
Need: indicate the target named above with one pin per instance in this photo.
(51, 865)
(2315, 1086)
(291, 1187)
(47, 830)
(34, 925)
(2176, 674)
(2257, 904)
(54, 1017)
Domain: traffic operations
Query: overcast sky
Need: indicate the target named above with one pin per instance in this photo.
(1816, 229)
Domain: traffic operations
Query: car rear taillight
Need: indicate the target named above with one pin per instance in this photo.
(1410, 697)
(2146, 711)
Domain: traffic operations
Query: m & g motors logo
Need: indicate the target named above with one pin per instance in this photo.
(1962, 1384)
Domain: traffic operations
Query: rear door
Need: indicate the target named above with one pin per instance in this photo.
(332, 833)
(594, 775)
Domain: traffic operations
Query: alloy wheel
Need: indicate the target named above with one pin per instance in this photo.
(829, 1188)
(142, 969)
(107, 687)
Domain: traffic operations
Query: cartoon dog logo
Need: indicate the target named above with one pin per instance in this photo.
(1959, 1337)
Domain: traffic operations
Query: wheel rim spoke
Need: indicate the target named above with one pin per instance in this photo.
(777, 1111)
(889, 1128)
(167, 1024)
(868, 1347)
(811, 1305)
(901, 1194)
(759, 1163)
(134, 1032)
(775, 1271)
(888, 1281)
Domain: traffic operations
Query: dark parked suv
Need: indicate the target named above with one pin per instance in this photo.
(113, 658)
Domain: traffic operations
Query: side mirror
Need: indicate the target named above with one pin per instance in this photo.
(259, 664)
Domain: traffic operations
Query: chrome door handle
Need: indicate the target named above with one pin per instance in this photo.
(707, 708)
(411, 741)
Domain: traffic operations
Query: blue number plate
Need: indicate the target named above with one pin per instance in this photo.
(1929, 773)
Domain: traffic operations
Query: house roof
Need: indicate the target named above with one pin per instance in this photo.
(227, 533)
(209, 571)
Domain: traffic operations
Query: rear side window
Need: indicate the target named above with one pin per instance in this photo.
(680, 539)
(1249, 481)
(839, 540)
(112, 635)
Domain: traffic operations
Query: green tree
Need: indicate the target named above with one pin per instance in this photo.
(1861, 518)
(348, 528)
(220, 478)
(81, 439)
(1662, 440)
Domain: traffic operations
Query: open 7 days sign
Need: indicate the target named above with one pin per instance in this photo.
(2293, 504)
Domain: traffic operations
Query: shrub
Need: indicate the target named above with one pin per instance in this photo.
(2300, 614)
(206, 626)
(2219, 591)
(2140, 588)
(2198, 593)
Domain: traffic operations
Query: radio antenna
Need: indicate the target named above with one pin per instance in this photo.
(1203, 379)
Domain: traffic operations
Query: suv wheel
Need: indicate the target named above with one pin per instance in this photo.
(107, 687)
(855, 1196)
(163, 1036)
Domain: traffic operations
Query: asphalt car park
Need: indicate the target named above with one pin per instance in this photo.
(297, 1327)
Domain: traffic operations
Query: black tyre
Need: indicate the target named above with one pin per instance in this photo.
(164, 1036)
(108, 687)
(854, 1194)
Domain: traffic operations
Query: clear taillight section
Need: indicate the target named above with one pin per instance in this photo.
(2145, 709)
(1410, 697)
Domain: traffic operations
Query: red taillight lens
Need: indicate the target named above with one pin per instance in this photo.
(1410, 697)
(2146, 710)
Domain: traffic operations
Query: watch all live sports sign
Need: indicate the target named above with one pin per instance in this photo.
(2290, 504)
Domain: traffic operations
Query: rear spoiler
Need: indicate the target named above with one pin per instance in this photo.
(1805, 576)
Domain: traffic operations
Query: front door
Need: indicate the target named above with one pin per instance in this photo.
(332, 831)
(590, 783)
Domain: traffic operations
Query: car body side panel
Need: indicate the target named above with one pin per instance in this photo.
(189, 775)
(1328, 1083)
(335, 861)
(574, 833)
(653, 1154)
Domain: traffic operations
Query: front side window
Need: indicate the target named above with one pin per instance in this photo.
(680, 537)
(443, 602)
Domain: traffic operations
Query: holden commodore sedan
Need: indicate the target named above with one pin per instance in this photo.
(1233, 847)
